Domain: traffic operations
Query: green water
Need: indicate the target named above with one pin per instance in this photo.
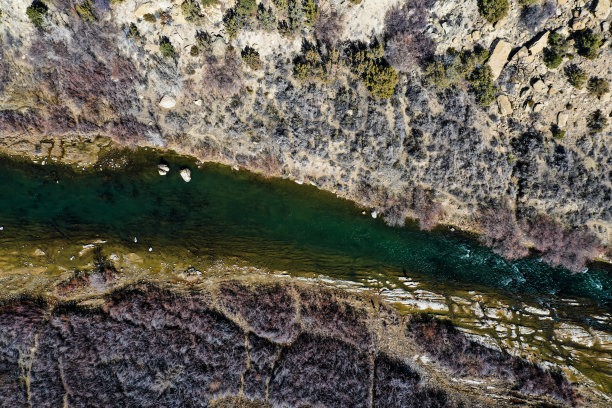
(266, 222)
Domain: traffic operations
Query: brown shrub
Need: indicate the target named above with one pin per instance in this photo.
(407, 43)
(561, 246)
(428, 211)
(223, 77)
(451, 348)
(128, 129)
(329, 27)
(502, 232)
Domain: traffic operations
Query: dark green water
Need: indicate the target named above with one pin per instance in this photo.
(271, 223)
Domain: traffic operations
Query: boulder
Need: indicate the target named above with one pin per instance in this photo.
(186, 174)
(167, 102)
(579, 23)
(538, 107)
(505, 107)
(163, 169)
(499, 57)
(539, 44)
(539, 86)
(562, 119)
(218, 47)
(602, 9)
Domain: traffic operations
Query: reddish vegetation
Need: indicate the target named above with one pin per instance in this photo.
(329, 27)
(152, 347)
(561, 246)
(407, 43)
(128, 130)
(396, 381)
(223, 77)
(428, 211)
(321, 369)
(452, 349)
(502, 232)
(269, 310)
(323, 312)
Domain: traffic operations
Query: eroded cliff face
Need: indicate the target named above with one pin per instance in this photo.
(254, 341)
(167, 74)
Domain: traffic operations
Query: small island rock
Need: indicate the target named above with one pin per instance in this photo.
(186, 174)
(163, 169)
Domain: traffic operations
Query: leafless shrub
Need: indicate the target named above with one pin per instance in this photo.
(223, 77)
(502, 232)
(534, 16)
(560, 246)
(329, 27)
(128, 129)
(15, 122)
(407, 44)
(406, 50)
(268, 164)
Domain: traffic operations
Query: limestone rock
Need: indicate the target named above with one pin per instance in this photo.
(539, 86)
(163, 169)
(562, 119)
(505, 107)
(499, 58)
(602, 9)
(218, 47)
(539, 44)
(579, 23)
(167, 102)
(186, 174)
(538, 107)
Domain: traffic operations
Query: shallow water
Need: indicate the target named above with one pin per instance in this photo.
(275, 224)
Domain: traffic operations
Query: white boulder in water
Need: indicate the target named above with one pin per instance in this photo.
(163, 169)
(186, 174)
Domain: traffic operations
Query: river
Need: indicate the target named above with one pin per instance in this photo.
(525, 306)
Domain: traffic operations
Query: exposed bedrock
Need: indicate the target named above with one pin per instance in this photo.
(246, 345)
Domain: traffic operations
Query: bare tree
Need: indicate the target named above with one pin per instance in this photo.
(329, 26)
(502, 232)
(223, 77)
(561, 246)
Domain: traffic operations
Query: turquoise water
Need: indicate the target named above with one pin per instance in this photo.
(266, 222)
